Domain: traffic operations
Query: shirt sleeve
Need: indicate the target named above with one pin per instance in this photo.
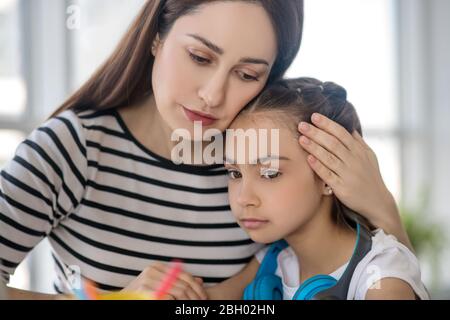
(393, 261)
(40, 186)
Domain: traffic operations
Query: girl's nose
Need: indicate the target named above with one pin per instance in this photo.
(247, 195)
(213, 90)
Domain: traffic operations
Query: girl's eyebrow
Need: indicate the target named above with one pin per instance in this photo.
(228, 161)
(220, 51)
(267, 159)
(260, 160)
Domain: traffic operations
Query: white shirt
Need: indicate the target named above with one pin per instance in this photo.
(388, 258)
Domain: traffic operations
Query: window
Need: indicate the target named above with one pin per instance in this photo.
(352, 43)
(13, 94)
(12, 85)
(103, 22)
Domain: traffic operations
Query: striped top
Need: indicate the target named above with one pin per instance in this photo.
(110, 207)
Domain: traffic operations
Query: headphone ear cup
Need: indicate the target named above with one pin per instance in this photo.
(249, 291)
(267, 287)
(327, 297)
(313, 286)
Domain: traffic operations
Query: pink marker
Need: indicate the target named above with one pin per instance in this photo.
(169, 280)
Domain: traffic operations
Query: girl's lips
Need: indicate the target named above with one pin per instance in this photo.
(195, 116)
(253, 223)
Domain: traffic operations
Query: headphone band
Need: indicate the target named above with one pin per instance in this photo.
(318, 287)
(362, 247)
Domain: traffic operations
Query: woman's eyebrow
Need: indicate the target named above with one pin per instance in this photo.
(207, 43)
(254, 61)
(220, 51)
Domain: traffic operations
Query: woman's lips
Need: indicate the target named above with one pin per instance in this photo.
(253, 223)
(206, 120)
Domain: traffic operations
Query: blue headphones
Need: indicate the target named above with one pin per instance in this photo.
(268, 286)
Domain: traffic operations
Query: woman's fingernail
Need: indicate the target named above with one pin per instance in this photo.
(315, 117)
(304, 126)
(311, 159)
(304, 140)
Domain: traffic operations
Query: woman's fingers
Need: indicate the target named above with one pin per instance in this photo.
(360, 139)
(333, 129)
(180, 289)
(196, 286)
(327, 141)
(185, 287)
(326, 158)
(357, 183)
(328, 176)
(183, 290)
(179, 292)
(199, 280)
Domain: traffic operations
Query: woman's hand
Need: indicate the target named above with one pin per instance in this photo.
(350, 167)
(186, 287)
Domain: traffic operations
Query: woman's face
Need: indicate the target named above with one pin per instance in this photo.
(271, 202)
(213, 62)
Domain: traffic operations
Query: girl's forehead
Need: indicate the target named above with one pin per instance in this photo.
(248, 135)
(259, 120)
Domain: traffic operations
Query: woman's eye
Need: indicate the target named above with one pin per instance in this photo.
(270, 174)
(246, 77)
(198, 59)
(233, 174)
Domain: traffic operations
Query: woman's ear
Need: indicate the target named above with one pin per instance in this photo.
(155, 44)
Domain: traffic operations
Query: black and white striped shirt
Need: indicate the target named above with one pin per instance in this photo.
(111, 207)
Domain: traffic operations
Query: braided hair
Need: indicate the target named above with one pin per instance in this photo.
(291, 101)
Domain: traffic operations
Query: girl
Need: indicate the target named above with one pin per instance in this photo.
(324, 241)
(97, 181)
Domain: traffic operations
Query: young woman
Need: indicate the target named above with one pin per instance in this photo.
(97, 179)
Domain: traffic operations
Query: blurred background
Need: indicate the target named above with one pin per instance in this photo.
(392, 56)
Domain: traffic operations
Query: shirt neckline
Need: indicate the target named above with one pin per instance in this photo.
(162, 159)
(335, 274)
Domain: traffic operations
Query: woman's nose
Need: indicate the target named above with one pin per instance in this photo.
(213, 90)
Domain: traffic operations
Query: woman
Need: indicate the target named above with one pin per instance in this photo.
(96, 179)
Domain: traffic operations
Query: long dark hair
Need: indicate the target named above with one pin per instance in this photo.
(125, 77)
(294, 100)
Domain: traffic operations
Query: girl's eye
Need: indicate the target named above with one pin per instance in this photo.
(246, 77)
(198, 59)
(270, 174)
(234, 174)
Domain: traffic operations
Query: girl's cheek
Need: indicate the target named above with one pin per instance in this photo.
(232, 196)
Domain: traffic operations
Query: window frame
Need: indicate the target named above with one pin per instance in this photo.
(47, 82)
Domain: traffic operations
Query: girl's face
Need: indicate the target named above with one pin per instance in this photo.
(213, 62)
(271, 202)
